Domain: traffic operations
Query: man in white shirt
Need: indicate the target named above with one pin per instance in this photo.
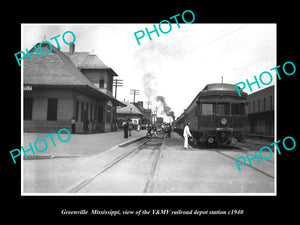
(186, 135)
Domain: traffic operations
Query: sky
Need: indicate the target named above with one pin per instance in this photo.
(176, 65)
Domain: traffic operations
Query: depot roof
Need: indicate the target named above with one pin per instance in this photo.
(86, 60)
(57, 69)
(129, 109)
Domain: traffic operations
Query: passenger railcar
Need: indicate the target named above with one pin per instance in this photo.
(216, 115)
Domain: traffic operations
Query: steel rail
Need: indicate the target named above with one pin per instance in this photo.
(88, 180)
(258, 170)
(149, 183)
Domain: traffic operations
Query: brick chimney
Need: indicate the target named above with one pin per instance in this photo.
(72, 49)
(141, 104)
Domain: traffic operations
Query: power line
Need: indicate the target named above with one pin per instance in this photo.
(134, 92)
(117, 83)
(227, 34)
(193, 48)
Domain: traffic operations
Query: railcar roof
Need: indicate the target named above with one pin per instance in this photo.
(219, 87)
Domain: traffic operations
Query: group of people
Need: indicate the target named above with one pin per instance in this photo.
(86, 125)
(127, 127)
(167, 129)
(152, 130)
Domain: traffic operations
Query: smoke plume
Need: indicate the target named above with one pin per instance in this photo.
(166, 108)
(149, 84)
(150, 59)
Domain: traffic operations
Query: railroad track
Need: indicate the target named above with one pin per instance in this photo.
(247, 151)
(247, 163)
(149, 183)
(145, 141)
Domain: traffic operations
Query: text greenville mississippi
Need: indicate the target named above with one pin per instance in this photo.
(91, 212)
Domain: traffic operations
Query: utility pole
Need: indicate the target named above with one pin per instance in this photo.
(155, 115)
(134, 92)
(117, 83)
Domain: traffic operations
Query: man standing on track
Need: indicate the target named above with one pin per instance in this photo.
(149, 128)
(186, 135)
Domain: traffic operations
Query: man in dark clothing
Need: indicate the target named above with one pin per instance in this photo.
(73, 124)
(125, 128)
(149, 128)
(130, 126)
(169, 129)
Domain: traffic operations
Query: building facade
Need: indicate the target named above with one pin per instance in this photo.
(61, 86)
(260, 110)
(130, 111)
(146, 112)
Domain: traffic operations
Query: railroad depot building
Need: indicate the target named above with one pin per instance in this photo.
(62, 85)
(260, 110)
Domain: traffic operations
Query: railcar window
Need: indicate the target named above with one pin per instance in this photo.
(207, 109)
(238, 109)
(223, 109)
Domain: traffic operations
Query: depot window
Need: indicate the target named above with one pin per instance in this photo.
(102, 83)
(82, 110)
(108, 115)
(76, 111)
(100, 114)
(52, 109)
(207, 109)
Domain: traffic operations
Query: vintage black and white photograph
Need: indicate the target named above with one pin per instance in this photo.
(149, 108)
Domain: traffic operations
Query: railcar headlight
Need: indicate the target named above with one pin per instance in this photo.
(224, 121)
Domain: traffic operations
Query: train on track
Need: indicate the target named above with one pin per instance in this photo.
(217, 115)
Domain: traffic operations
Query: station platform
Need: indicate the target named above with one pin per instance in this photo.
(175, 142)
(79, 145)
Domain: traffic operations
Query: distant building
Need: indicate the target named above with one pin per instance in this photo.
(130, 111)
(146, 112)
(260, 110)
(159, 120)
(59, 86)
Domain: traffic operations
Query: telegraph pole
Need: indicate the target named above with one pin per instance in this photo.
(155, 115)
(117, 83)
(134, 92)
